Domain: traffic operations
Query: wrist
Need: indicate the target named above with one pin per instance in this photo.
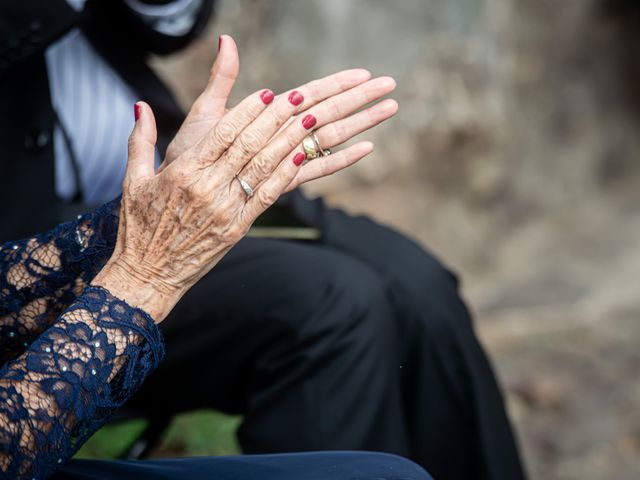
(138, 288)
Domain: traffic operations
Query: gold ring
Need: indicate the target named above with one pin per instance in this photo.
(309, 147)
(323, 152)
(312, 148)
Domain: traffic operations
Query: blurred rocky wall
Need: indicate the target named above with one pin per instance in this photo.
(515, 158)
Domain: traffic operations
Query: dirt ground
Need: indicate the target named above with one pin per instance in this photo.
(514, 158)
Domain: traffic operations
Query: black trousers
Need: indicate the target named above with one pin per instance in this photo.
(359, 341)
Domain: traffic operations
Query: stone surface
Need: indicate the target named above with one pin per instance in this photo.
(513, 157)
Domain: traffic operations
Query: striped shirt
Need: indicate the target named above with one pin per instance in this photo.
(95, 106)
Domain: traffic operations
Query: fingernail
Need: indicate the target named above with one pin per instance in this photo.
(298, 158)
(295, 98)
(136, 111)
(309, 121)
(266, 96)
(219, 42)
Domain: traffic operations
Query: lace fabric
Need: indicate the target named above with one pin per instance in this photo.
(43, 275)
(72, 354)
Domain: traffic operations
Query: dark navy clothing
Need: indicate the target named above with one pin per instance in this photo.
(301, 466)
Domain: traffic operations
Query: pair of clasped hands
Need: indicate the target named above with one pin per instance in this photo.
(178, 221)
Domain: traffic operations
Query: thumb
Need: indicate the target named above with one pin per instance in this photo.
(142, 144)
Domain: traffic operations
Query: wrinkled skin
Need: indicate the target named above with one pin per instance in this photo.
(177, 222)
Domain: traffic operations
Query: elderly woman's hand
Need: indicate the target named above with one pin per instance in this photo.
(177, 223)
(212, 103)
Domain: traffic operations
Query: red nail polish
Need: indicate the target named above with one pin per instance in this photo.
(295, 98)
(219, 42)
(298, 158)
(309, 121)
(136, 111)
(267, 96)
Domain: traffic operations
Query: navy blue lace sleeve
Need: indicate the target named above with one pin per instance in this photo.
(72, 353)
(70, 380)
(41, 276)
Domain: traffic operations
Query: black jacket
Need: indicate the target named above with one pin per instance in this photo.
(28, 203)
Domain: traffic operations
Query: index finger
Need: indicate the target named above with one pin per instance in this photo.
(223, 75)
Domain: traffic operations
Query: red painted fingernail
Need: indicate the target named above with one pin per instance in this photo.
(298, 158)
(309, 121)
(219, 42)
(267, 96)
(136, 111)
(295, 98)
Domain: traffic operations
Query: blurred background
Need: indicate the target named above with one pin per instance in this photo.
(514, 157)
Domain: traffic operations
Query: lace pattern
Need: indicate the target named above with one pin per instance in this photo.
(41, 276)
(72, 355)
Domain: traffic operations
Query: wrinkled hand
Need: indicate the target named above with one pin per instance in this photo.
(178, 222)
(212, 104)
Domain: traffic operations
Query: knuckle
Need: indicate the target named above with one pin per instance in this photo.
(339, 130)
(279, 115)
(221, 216)
(133, 144)
(325, 171)
(255, 107)
(342, 82)
(263, 163)
(198, 192)
(247, 113)
(176, 178)
(312, 89)
(367, 94)
(266, 197)
(205, 151)
(249, 142)
(322, 169)
(225, 217)
(334, 109)
(225, 133)
(293, 140)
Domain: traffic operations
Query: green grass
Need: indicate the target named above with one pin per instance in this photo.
(196, 433)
